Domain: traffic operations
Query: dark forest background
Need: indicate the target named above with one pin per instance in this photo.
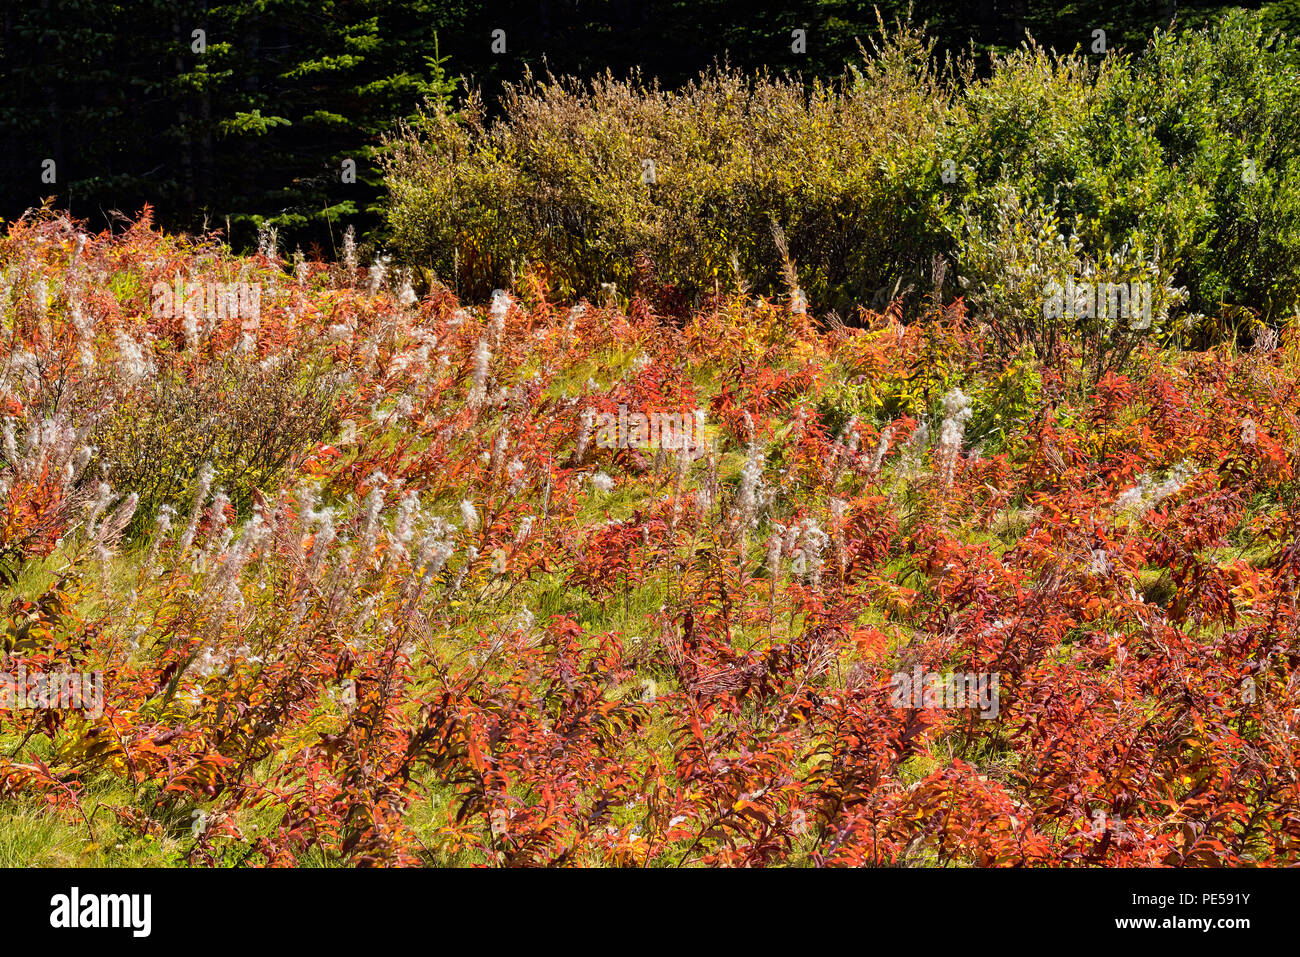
(249, 123)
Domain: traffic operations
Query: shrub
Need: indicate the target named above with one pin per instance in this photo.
(583, 178)
(244, 418)
(1175, 163)
(1021, 257)
(1224, 104)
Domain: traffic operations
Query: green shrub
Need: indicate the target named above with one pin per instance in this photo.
(848, 170)
(1176, 165)
(246, 419)
(1004, 405)
(1224, 103)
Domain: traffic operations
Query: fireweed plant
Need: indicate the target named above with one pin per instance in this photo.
(364, 589)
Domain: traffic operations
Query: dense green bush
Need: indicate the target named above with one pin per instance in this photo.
(583, 178)
(1173, 166)
(246, 419)
(1225, 105)
(1177, 163)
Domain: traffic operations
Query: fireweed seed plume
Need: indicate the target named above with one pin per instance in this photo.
(497, 316)
(379, 273)
(205, 477)
(112, 527)
(435, 549)
(749, 495)
(471, 555)
(917, 445)
(849, 435)
(219, 533)
(585, 423)
(104, 497)
(340, 578)
(323, 537)
(408, 508)
(496, 458)
(406, 291)
(350, 252)
(775, 547)
(161, 528)
(478, 382)
(371, 507)
(131, 362)
(468, 515)
(956, 413)
(525, 528)
(9, 432)
(1150, 492)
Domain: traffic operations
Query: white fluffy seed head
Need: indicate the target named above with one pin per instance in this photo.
(468, 514)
